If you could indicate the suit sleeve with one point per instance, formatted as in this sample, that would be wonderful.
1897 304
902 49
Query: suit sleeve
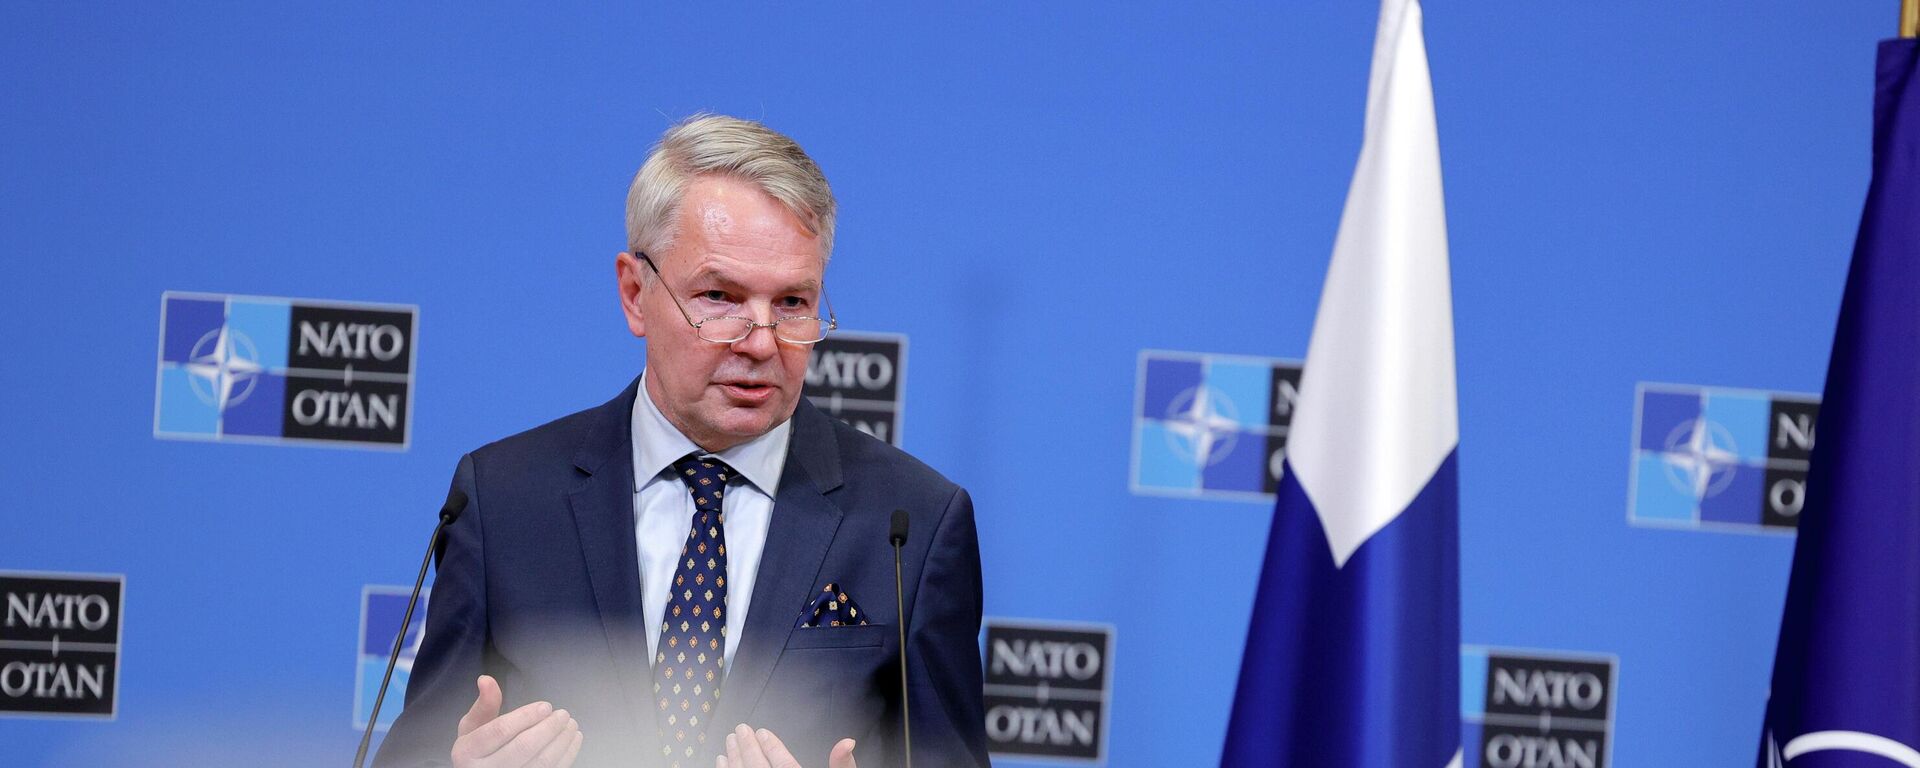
949 718
440 688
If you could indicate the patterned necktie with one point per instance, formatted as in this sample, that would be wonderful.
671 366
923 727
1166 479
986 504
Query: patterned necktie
688 665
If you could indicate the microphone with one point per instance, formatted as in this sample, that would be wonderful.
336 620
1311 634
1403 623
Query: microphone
897 536
449 512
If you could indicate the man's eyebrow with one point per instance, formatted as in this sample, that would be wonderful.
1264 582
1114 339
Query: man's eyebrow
713 275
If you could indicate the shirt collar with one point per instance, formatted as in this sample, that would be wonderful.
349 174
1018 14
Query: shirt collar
657 444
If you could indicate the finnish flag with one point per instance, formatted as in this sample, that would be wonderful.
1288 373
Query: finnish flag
1352 657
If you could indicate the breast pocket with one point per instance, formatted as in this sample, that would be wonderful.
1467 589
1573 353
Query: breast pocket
834 682
862 636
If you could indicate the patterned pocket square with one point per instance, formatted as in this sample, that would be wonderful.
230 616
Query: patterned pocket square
832 608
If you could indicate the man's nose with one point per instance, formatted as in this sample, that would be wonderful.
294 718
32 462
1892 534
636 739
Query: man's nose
760 342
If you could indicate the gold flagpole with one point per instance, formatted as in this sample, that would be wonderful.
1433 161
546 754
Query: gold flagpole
1910 18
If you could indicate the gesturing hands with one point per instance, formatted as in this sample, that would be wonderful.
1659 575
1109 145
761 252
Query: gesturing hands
539 736
747 748
533 735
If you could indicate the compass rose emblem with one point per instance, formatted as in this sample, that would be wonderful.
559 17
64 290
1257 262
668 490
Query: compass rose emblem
1202 425
223 366
1701 457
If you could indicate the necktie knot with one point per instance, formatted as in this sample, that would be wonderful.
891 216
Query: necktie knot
705 477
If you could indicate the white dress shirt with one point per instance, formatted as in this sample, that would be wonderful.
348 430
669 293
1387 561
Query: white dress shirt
663 512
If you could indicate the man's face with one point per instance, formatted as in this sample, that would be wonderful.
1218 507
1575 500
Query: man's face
738 252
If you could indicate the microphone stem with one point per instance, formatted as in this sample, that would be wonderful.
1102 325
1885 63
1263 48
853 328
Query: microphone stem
900 613
373 720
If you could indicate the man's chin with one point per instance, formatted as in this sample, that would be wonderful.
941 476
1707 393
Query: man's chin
746 422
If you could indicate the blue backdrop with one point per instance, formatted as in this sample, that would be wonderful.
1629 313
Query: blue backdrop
1637 192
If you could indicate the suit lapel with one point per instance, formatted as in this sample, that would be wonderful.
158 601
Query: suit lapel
602 506
803 526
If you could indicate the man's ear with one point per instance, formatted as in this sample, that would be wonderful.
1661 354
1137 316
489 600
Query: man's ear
631 274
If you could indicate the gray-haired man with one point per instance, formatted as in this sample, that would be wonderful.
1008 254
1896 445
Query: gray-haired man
698 571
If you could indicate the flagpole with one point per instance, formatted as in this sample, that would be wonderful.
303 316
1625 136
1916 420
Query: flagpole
1910 18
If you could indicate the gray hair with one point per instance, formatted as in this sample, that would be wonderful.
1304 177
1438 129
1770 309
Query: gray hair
727 146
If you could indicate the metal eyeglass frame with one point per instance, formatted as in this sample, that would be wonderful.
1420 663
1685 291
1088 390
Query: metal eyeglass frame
832 322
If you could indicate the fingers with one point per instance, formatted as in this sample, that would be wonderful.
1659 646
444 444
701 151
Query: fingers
486 706
776 752
496 734
573 752
737 753
558 749
525 748
744 750
842 755
748 748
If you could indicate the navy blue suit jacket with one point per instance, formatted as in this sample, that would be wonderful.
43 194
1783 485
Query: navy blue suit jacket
538 584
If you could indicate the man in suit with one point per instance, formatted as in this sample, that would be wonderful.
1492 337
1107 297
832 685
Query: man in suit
698 572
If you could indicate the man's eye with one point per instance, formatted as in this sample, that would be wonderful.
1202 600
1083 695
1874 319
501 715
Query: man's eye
793 302
715 296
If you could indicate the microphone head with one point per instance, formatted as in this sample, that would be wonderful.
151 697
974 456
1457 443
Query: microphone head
456 503
898 532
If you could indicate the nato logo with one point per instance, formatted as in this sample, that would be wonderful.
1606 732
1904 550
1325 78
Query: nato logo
1047 689
60 644
1211 425
262 369
1535 709
381 608
859 378
1727 459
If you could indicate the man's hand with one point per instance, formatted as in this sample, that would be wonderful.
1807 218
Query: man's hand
747 748
533 735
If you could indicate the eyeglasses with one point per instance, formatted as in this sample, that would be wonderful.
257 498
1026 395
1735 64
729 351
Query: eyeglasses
727 329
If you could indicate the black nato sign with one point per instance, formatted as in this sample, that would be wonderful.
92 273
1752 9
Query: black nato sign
1047 688
859 378
59 644
1538 709
349 371
266 369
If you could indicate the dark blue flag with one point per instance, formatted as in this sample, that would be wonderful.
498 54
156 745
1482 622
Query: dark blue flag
1846 675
